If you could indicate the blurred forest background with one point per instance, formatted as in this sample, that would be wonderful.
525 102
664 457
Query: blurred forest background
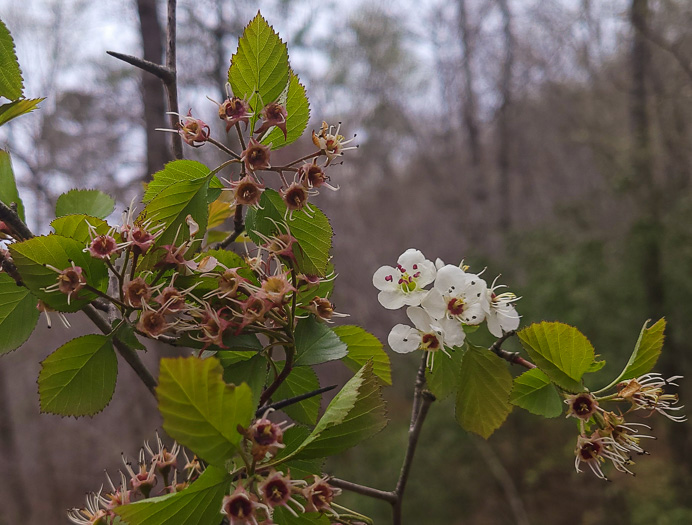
549 140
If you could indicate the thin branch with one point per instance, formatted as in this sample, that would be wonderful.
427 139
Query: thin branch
418 390
512 357
293 400
223 148
172 84
15 223
157 70
124 350
391 497
238 228
9 268
288 366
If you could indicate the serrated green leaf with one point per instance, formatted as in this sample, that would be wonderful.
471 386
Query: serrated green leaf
199 504
444 377
323 289
645 354
78 379
31 255
363 347
299 468
560 350
595 366
18 108
356 413
77 227
534 392
8 184
316 343
199 410
298 116
88 202
483 393
172 173
125 332
313 233
251 371
259 69
299 381
18 314
11 82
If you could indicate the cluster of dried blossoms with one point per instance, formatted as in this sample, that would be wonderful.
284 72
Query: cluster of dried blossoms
255 157
606 436
457 298
254 495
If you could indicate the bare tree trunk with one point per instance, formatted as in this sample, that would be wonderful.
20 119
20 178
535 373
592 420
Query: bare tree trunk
152 90
504 132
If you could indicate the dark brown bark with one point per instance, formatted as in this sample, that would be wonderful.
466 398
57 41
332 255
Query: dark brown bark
152 90
504 132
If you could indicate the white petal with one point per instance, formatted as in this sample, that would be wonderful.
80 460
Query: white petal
404 339
414 298
419 318
426 271
434 304
439 263
454 334
494 325
391 300
451 280
476 288
473 314
409 258
386 278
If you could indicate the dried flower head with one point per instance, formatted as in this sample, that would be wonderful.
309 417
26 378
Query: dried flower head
70 281
332 144
320 495
648 393
136 292
235 110
273 114
193 130
247 191
256 156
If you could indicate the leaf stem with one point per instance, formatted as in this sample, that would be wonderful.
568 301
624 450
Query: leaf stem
512 357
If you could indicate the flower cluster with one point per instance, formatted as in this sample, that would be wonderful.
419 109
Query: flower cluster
614 439
439 314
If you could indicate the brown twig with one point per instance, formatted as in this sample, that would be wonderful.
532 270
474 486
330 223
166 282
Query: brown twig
512 357
391 497
238 228
157 70
288 366
11 218
293 400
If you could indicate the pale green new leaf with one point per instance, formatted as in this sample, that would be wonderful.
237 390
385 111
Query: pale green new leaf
316 343
534 392
172 173
77 227
560 350
483 394
356 413
11 82
298 116
301 380
313 232
78 379
199 504
443 379
18 108
32 255
18 314
259 69
88 202
200 411
8 184
251 371
363 347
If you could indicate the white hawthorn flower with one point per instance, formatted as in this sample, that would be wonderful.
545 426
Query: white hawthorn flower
429 334
501 315
404 284
457 295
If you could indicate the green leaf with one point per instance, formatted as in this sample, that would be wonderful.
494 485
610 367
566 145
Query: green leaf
77 227
356 413
11 83
18 314
172 173
31 255
78 379
251 371
443 380
125 332
299 468
316 343
199 504
313 233
596 366
299 381
324 289
298 115
483 394
363 347
560 350
89 202
534 392
259 69
199 410
8 184
18 108
284 517
645 354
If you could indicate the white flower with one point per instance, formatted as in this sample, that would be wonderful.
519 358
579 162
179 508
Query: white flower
457 295
429 334
501 315
404 284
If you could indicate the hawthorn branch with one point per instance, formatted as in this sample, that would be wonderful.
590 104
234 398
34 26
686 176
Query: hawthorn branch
390 497
293 400
238 228
512 357
12 219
